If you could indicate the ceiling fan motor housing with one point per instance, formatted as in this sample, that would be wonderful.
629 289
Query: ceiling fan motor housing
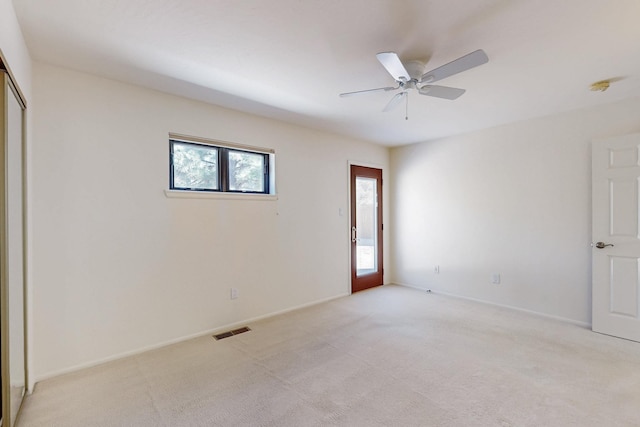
415 69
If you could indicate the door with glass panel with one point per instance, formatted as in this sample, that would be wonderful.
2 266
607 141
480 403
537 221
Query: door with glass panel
366 228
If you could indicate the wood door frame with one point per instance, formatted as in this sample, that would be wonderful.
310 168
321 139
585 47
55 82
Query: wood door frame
351 271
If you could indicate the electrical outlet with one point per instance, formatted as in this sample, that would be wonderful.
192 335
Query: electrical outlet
436 269
495 278
234 293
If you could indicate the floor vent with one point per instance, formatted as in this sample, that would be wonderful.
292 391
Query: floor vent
231 333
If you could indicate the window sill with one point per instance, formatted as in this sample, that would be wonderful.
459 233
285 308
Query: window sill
184 194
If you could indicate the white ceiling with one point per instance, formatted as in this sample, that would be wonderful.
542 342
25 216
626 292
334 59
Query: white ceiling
289 59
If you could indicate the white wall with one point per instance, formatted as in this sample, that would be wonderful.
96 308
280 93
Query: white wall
513 200
119 267
14 48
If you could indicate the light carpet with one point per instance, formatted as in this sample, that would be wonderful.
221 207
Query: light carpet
390 356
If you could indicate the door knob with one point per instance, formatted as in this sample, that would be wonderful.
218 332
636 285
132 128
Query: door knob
602 245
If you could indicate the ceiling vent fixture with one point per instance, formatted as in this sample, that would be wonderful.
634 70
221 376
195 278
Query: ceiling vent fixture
600 86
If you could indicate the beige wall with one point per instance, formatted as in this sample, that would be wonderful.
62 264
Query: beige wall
513 200
119 267
14 48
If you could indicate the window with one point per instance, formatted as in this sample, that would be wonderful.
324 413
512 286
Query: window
199 165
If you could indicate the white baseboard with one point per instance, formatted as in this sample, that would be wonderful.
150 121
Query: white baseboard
511 307
144 349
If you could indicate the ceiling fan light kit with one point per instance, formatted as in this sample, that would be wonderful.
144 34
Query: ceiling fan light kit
411 76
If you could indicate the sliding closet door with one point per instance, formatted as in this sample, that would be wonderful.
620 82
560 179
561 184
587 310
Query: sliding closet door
12 267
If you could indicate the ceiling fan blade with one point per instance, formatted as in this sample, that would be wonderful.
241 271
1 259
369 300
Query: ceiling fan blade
441 91
394 66
459 65
394 101
358 92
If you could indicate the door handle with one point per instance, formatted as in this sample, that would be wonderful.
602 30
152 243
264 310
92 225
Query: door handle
602 245
354 238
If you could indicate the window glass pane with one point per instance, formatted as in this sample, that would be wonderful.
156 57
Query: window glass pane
246 171
366 220
195 166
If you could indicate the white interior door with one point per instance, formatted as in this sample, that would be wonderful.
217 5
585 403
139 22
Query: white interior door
616 238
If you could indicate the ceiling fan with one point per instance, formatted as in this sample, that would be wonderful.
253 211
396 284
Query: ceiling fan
411 76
